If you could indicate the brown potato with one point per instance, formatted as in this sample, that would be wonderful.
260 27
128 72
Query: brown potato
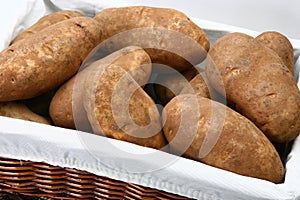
46 21
255 79
119 108
21 111
170 85
39 64
281 45
197 86
220 137
168 36
133 59
60 109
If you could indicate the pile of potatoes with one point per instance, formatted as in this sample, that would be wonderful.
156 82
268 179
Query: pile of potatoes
229 114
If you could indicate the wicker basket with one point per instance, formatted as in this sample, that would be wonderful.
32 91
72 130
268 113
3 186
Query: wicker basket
41 179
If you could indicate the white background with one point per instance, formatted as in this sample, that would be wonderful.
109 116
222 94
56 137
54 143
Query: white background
258 15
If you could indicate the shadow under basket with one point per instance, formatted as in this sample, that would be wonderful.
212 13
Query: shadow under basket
40 179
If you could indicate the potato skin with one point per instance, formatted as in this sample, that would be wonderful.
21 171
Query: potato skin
118 20
240 146
105 95
100 107
61 109
258 83
279 44
46 21
38 64
21 111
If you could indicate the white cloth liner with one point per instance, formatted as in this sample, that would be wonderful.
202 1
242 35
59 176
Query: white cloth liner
69 148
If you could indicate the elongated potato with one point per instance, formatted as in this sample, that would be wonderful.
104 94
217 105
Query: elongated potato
21 111
168 36
119 108
46 21
258 83
132 59
38 64
281 45
221 138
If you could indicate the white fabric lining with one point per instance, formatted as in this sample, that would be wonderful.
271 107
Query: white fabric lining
60 147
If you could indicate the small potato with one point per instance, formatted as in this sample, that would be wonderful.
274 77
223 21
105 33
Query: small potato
60 109
170 85
68 99
220 137
119 108
39 64
20 111
257 82
281 45
46 21
197 86
168 36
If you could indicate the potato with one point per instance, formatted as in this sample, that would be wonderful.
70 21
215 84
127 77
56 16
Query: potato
119 108
168 36
281 45
220 137
21 111
46 21
39 64
169 85
60 109
133 59
197 86
256 80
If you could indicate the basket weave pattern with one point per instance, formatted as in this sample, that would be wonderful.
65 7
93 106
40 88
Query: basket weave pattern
42 179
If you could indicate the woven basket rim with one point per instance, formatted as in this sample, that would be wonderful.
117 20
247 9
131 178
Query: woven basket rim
41 179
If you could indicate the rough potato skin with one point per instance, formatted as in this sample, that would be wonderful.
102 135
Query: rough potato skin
281 45
118 20
132 59
105 96
240 146
46 21
38 64
21 111
258 83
